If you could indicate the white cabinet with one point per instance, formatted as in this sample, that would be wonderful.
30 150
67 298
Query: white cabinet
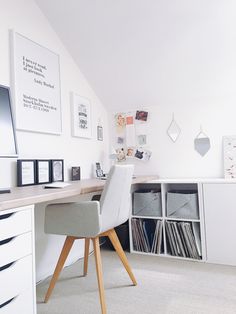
220 226
17 270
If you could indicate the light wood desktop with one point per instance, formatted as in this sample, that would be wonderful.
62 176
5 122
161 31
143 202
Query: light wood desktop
22 196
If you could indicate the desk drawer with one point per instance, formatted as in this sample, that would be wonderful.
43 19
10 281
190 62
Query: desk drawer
15 223
22 303
15 248
15 279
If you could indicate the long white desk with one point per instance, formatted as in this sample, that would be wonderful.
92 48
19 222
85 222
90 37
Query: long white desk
17 239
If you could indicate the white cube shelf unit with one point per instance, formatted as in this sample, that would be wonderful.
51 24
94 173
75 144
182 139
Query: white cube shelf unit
167 220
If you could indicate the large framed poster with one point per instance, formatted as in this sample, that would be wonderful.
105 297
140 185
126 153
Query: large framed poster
36 86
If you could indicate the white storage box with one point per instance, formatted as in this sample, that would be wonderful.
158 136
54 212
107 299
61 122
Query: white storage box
182 204
147 203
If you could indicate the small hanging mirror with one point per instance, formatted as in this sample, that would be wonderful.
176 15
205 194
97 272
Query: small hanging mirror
202 143
173 130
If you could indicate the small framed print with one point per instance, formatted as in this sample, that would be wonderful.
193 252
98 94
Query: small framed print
26 172
99 133
81 116
57 170
43 171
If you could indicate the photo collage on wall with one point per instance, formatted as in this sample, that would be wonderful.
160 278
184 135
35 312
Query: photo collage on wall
131 135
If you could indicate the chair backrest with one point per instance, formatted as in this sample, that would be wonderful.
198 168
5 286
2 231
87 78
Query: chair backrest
115 200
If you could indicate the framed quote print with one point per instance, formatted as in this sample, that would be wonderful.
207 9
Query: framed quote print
43 171
57 170
81 116
26 172
36 85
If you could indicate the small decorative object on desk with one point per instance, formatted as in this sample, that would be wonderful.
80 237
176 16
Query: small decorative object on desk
75 173
26 172
43 171
57 170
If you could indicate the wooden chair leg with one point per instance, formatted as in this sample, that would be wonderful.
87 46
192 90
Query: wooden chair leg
61 261
119 250
86 255
98 262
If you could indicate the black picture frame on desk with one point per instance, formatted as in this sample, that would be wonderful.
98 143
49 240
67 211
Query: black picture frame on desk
57 170
75 173
26 172
43 171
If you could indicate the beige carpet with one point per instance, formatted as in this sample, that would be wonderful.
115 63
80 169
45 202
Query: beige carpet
164 286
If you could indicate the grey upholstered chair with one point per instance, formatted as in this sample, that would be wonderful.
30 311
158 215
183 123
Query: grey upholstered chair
91 220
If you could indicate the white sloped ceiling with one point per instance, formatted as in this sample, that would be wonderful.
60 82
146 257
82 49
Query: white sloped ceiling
149 52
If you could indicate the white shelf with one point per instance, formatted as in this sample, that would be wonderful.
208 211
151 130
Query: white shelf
147 217
147 253
181 219
168 256
184 258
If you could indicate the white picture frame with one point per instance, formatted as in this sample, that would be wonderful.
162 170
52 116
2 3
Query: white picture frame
36 86
81 116
229 151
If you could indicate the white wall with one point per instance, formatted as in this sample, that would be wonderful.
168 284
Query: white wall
25 17
191 71
179 159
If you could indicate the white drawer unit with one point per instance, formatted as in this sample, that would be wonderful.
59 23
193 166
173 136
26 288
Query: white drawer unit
17 278
19 304
15 248
17 269
15 223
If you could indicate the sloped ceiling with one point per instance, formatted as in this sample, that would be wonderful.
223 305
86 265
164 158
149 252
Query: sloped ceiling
145 52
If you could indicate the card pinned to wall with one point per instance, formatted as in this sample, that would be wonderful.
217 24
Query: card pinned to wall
121 155
120 140
130 152
141 129
141 115
143 154
130 135
142 139
129 120
120 121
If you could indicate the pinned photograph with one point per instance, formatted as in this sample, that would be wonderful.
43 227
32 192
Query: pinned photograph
141 115
130 152
142 139
143 154
120 140
129 120
146 155
120 122
120 154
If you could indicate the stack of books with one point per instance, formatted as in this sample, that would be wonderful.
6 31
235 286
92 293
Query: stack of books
183 239
147 235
